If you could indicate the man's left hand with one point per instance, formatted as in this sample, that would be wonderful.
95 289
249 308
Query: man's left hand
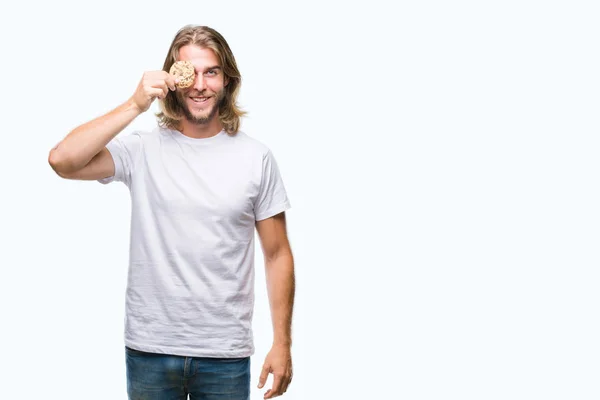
279 363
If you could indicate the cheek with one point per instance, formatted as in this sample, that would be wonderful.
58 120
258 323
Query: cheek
215 85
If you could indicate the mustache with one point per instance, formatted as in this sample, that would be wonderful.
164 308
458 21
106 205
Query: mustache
200 94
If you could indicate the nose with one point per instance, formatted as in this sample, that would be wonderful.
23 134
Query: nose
200 82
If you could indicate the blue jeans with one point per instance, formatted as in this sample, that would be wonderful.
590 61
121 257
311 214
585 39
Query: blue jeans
152 376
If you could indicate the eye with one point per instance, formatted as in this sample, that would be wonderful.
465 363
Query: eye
211 72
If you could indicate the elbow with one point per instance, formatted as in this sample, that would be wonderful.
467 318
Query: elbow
282 255
60 164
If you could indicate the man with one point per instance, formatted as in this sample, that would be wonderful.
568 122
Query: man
198 186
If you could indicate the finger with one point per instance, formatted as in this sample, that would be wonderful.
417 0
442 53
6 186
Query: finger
172 80
167 79
160 83
156 93
285 384
275 389
165 89
263 376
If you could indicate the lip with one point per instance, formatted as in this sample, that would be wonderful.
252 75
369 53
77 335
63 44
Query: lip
200 104
207 98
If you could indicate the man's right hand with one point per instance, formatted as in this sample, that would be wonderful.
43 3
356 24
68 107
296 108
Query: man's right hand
154 84
82 154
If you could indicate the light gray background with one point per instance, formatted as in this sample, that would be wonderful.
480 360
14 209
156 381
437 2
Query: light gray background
441 159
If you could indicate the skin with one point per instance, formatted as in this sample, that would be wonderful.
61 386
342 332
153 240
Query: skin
279 264
201 120
82 155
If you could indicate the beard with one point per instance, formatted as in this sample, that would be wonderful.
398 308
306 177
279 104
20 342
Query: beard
206 115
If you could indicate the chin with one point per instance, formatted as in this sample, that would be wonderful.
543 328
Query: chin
200 112
203 113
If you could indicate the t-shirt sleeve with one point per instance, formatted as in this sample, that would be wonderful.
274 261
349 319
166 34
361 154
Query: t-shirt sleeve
272 197
124 151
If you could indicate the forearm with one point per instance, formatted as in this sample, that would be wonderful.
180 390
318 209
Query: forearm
77 149
281 290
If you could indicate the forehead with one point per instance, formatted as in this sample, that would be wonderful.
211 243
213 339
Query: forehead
200 57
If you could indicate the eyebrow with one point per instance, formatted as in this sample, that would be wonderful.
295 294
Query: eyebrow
211 68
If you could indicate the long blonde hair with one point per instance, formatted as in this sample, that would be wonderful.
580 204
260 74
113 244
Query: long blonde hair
229 111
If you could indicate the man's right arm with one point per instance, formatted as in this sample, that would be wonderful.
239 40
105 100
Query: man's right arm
82 154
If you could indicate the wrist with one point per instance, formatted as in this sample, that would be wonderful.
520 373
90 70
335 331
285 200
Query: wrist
282 343
131 106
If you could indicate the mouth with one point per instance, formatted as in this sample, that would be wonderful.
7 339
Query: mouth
199 99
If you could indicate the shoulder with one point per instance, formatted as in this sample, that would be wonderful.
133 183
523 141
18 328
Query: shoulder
139 136
250 144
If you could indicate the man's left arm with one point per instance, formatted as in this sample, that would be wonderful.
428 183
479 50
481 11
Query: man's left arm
279 271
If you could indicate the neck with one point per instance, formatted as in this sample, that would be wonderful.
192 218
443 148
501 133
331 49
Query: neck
201 131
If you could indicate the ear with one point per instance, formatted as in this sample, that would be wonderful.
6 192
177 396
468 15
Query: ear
226 82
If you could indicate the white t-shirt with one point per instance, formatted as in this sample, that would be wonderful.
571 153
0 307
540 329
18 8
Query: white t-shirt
194 203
